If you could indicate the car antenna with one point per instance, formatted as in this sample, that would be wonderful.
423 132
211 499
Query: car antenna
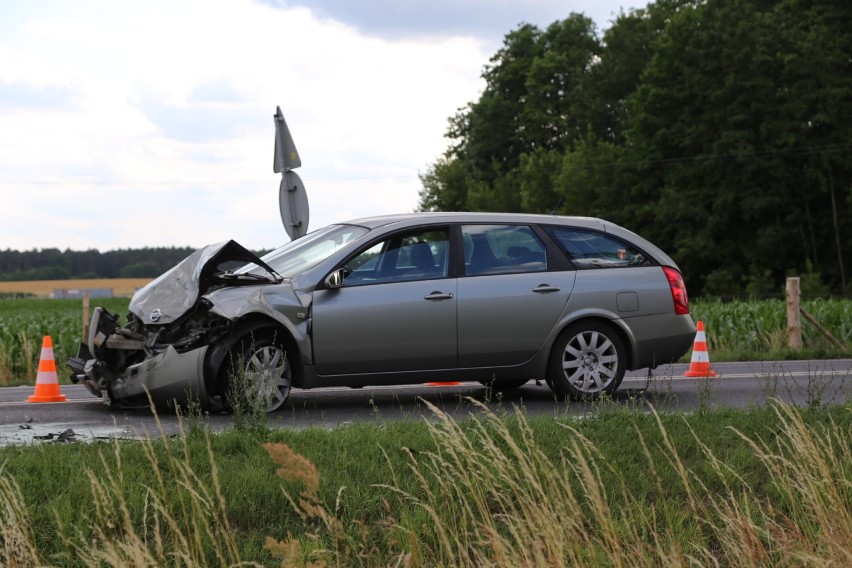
555 209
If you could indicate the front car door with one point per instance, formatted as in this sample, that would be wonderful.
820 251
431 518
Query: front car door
395 312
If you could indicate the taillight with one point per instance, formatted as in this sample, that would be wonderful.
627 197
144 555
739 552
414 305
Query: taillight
681 300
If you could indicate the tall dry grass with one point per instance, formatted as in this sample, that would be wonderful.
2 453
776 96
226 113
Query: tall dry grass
492 497
16 533
184 521
488 495
185 525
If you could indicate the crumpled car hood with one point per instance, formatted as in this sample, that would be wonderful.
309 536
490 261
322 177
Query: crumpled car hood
174 293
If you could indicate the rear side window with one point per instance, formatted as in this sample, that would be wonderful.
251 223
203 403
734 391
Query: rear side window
502 249
591 249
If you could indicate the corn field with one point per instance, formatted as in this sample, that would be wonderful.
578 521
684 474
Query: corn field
756 326
25 322
761 325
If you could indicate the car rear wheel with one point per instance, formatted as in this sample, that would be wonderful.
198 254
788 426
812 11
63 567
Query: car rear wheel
258 373
588 360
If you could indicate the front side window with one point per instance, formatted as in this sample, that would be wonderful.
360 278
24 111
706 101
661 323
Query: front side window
502 249
590 249
421 255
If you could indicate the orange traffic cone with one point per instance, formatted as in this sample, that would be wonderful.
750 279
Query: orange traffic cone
47 383
700 364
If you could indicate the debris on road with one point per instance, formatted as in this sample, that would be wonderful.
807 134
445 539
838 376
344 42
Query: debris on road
64 437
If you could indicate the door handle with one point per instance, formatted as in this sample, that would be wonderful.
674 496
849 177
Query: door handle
545 288
438 296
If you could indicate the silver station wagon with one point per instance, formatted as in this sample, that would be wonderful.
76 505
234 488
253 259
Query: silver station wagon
398 299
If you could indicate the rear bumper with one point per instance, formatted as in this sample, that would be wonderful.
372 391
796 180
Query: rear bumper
665 338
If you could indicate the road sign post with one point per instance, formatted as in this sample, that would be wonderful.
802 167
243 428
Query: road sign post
292 197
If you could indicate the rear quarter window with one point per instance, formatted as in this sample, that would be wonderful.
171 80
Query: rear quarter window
591 249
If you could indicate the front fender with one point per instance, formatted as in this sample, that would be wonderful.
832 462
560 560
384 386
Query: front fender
277 303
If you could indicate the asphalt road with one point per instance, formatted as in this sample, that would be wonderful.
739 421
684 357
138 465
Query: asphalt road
737 385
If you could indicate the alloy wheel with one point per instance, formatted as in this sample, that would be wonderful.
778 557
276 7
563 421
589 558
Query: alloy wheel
590 362
268 376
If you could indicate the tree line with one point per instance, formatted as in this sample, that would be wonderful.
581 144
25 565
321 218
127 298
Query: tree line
721 131
53 264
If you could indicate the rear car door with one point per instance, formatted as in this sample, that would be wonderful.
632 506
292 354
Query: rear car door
511 295
395 312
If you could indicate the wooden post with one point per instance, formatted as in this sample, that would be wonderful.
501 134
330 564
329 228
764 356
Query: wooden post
794 320
85 317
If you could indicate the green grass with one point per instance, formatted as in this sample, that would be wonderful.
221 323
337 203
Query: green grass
766 486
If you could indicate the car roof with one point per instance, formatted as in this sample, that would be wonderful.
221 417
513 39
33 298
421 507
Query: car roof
403 220
469 217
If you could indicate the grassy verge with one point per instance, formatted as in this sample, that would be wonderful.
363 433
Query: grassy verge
767 486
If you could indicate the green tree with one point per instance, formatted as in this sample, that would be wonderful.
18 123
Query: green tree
535 100
588 182
489 133
446 184
628 46
538 181
818 104
556 109
718 130
140 270
722 126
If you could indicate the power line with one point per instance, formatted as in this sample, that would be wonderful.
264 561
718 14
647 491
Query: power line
697 158
202 182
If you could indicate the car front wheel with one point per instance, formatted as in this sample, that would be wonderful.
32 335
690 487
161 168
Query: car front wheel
258 373
588 360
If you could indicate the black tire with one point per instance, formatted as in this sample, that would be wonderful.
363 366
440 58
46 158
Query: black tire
588 359
257 372
504 385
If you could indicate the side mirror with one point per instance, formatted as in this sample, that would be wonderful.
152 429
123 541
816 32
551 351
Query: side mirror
335 279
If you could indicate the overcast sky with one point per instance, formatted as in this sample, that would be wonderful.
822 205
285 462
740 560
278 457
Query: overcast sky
131 124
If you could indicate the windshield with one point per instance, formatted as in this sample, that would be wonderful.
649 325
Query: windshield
303 254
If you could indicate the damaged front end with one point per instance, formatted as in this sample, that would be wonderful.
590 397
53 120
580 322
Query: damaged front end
126 364
160 351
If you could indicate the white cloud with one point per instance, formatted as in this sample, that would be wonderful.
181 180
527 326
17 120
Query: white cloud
149 123
167 114
488 20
